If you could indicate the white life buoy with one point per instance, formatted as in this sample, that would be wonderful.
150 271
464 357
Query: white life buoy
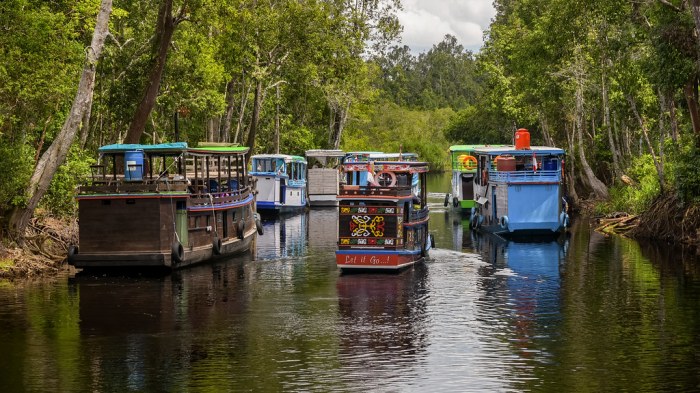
386 179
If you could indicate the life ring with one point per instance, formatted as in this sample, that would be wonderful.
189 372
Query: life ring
258 226
216 245
468 162
383 176
178 252
240 228
503 222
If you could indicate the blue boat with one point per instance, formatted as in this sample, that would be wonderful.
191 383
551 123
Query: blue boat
519 190
281 183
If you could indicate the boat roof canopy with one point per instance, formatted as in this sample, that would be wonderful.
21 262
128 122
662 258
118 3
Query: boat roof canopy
324 153
173 147
494 151
469 148
285 157
218 149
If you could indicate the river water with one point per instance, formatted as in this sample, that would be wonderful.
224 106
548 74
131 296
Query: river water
585 313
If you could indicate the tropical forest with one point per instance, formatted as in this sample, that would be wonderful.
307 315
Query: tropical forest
613 82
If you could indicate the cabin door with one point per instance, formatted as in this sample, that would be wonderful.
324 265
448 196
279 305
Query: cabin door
493 203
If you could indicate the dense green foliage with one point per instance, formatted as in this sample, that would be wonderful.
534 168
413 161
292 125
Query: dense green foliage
613 82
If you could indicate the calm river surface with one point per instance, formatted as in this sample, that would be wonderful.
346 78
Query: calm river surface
587 313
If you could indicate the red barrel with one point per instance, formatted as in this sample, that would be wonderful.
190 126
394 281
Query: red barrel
522 139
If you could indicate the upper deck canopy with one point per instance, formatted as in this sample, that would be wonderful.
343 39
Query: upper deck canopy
469 148
537 150
218 149
166 148
324 153
286 157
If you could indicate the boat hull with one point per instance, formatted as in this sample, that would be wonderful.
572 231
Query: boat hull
125 231
376 259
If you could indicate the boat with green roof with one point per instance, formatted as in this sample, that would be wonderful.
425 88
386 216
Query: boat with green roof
463 165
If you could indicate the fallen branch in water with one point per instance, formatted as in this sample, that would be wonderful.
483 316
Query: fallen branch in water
617 223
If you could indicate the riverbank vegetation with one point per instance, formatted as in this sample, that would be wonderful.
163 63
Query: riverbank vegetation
613 82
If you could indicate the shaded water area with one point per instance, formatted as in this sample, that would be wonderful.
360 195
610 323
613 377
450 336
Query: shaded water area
582 313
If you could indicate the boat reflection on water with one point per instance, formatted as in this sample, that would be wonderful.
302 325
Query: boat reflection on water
322 224
142 331
383 318
524 281
283 237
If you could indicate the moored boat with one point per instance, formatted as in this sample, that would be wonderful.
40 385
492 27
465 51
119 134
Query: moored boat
323 176
519 189
165 205
383 215
463 165
281 183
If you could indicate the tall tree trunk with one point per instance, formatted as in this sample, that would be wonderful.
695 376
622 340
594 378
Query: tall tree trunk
85 127
277 120
339 117
545 130
56 154
690 92
617 171
257 103
643 126
599 189
245 90
164 34
228 117
570 167
672 116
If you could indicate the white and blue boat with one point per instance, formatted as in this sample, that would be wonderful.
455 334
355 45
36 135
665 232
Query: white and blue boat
519 190
281 182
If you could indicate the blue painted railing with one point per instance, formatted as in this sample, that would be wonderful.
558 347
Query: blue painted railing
525 176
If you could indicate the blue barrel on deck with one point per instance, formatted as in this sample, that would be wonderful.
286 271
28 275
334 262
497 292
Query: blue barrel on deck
133 165
549 165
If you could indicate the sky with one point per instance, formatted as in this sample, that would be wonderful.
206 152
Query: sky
426 22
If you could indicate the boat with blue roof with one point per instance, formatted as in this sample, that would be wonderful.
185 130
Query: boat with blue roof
165 205
520 189
280 182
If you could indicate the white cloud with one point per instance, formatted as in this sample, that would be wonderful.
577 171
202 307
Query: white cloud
426 22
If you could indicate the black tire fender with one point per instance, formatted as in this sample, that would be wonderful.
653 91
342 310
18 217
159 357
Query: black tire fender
178 252
216 245
240 228
259 227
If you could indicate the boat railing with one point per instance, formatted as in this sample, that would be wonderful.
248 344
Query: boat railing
119 185
358 191
220 198
527 176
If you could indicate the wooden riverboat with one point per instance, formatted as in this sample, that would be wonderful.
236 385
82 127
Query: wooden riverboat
383 215
165 205
323 176
281 183
463 164
520 189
